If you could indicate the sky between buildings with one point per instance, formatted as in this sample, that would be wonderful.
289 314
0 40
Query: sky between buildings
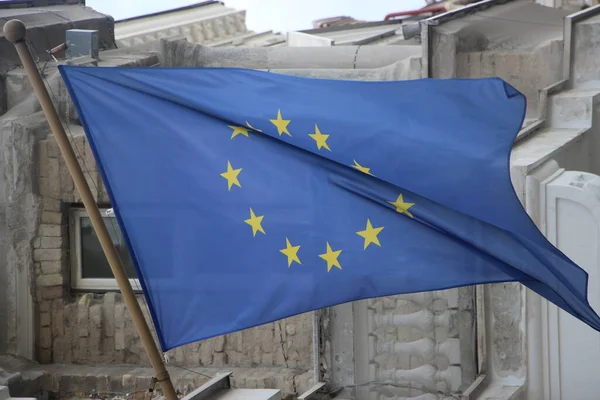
263 15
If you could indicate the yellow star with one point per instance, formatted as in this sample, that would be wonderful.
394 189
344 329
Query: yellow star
255 222
362 169
232 176
370 234
291 252
320 138
238 130
281 124
251 127
331 257
401 206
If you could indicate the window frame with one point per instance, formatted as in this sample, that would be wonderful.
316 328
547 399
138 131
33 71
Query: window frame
76 265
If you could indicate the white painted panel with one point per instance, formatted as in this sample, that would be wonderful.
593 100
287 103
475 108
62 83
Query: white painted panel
570 218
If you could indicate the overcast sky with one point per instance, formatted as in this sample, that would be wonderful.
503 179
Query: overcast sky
262 15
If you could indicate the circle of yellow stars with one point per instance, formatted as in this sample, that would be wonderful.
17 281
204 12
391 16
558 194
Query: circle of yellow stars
370 234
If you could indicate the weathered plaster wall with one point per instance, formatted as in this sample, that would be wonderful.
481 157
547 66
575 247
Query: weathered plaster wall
86 328
40 313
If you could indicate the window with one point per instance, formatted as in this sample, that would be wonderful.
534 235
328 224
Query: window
90 269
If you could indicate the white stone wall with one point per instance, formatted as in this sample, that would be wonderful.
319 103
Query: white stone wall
92 328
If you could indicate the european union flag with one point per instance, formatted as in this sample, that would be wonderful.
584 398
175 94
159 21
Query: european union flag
246 196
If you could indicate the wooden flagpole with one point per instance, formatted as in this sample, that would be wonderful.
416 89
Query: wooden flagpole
15 31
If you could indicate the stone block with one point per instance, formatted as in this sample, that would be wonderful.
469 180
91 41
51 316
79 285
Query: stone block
51 205
279 356
102 384
37 243
45 319
47 254
279 333
219 359
95 345
286 384
42 152
45 356
256 355
48 242
52 147
235 358
88 156
45 338
58 323
128 381
96 317
206 352
131 336
51 292
103 194
44 186
290 329
86 299
116 383
61 349
303 382
219 343
70 315
51 230
82 320
108 314
119 327
267 359
83 349
66 181
50 280
178 355
52 217
267 339
234 341
192 358
44 306
51 267
54 178
293 356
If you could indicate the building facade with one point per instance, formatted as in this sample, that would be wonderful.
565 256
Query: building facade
494 341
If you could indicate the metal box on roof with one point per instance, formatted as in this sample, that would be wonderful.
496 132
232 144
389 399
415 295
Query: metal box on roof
82 43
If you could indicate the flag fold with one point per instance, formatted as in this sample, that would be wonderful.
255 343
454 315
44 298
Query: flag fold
246 196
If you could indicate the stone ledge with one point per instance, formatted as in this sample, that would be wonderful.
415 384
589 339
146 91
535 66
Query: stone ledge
21 376
71 381
502 392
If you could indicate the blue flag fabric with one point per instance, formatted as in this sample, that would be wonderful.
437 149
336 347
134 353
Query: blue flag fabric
246 196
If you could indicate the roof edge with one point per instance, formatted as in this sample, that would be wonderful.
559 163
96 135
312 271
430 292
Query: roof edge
191 6
352 26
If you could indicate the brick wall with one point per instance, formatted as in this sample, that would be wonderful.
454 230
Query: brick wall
91 328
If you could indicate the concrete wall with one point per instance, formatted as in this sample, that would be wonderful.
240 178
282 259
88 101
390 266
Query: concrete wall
586 60
520 42
92 328
527 71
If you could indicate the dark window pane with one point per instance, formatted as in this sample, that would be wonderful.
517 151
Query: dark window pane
93 261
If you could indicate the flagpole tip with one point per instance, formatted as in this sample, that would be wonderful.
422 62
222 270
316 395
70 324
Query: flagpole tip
15 30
